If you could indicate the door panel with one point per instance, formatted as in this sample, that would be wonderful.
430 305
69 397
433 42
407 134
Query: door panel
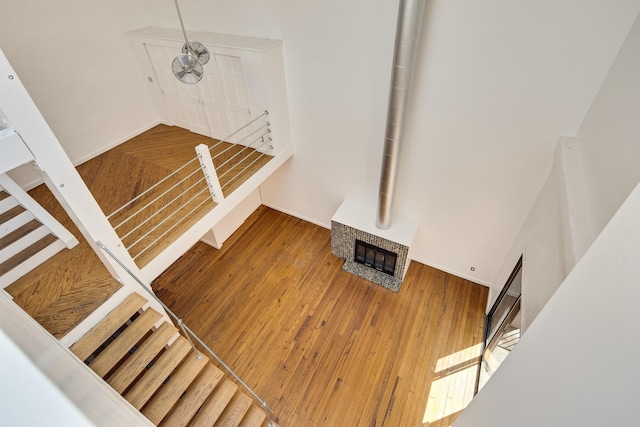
214 102
233 81
187 113
236 96
182 100
218 121
215 106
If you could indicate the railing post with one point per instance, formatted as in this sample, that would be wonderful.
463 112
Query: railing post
206 163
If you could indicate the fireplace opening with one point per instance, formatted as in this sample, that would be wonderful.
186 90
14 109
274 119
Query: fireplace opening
375 257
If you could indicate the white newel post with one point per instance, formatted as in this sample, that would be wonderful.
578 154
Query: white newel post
206 163
63 180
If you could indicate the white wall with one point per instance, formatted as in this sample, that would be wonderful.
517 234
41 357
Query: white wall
577 363
610 134
497 83
78 66
43 384
24 387
592 175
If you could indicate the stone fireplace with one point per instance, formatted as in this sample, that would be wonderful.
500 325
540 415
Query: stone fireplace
353 227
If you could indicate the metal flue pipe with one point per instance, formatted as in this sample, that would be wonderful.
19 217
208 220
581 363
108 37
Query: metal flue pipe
410 16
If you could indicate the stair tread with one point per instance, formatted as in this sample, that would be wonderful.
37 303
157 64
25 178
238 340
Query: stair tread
11 213
215 404
107 326
235 411
27 253
254 417
196 393
19 233
3 195
116 350
126 373
158 373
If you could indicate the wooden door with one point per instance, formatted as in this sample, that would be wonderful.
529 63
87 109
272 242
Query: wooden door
184 102
215 106
213 101
236 95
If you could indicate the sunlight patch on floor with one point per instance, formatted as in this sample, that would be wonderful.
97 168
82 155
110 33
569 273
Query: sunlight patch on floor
453 384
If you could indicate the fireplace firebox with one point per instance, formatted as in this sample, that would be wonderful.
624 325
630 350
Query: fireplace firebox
375 257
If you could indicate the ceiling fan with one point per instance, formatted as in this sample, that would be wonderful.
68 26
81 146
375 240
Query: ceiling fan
187 66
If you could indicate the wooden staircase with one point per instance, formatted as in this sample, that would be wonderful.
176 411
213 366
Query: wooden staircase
26 235
156 370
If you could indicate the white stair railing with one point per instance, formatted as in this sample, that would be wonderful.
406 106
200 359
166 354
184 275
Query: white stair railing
25 246
160 209
37 211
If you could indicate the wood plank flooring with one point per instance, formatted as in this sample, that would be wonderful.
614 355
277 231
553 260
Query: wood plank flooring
62 292
185 193
321 346
324 347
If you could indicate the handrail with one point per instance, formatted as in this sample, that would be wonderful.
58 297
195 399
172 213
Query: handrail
157 198
153 218
244 169
157 239
246 125
265 126
225 139
189 333
259 138
151 188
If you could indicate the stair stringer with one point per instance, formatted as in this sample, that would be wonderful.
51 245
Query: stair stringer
18 252
42 356
38 211
61 177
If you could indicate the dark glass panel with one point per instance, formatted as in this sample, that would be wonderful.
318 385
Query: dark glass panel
379 265
360 250
390 263
370 256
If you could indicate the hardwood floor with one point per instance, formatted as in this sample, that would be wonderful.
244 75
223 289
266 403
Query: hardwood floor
321 346
167 149
324 347
60 293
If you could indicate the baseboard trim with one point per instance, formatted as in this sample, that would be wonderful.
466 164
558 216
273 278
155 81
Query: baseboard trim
319 224
115 143
432 265
453 272
101 150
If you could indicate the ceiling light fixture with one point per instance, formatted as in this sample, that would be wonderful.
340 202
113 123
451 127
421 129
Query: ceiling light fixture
187 67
